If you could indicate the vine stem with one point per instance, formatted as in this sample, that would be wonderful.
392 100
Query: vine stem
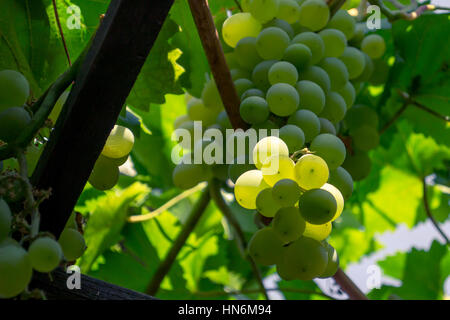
238 5
228 214
346 284
189 226
426 204
393 15
58 22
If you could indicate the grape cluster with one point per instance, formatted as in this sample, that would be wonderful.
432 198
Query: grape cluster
297 70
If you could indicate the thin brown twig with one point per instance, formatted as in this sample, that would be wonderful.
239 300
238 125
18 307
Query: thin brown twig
346 284
238 5
393 15
430 111
58 22
429 214
395 117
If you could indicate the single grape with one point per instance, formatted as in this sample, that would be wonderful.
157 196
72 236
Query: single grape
334 41
286 192
268 147
12 123
288 224
311 172
348 93
314 14
186 176
326 126
239 73
223 120
260 75
365 137
15 270
311 95
314 42
117 162
271 43
374 46
264 10
335 107
266 204
283 99
242 85
276 168
283 72
119 143
333 262
369 67
252 93
104 175
299 55
288 10
45 254
246 53
58 106
72 244
211 96
265 247
317 75
284 269
282 24
293 136
344 22
306 258
354 61
337 196
14 89
342 180
330 148
317 232
254 110
358 165
361 114
307 121
336 70
5 220
317 206
358 36
238 26
247 187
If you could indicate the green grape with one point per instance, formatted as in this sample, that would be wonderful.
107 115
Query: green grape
279 23
366 74
374 46
271 43
326 126
268 147
238 73
317 75
197 111
330 148
260 75
252 93
286 192
9 242
232 63
45 254
223 120
5 220
242 85
354 61
365 138
14 89
104 175
240 165
333 262
336 70
58 106
266 204
246 53
284 269
382 72
348 93
238 26
277 168
12 123
186 176
15 270
314 42
344 22
288 10
72 244
119 143
211 96
311 172
268 124
337 196
334 41
283 72
247 187
317 232
358 36
361 114
342 180
265 247
311 95
288 224
298 54
358 165
314 14
180 120
306 259
293 136
317 206
264 10
307 121
283 99
117 162
335 107
254 110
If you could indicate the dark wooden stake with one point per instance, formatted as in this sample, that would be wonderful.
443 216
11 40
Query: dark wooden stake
120 48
